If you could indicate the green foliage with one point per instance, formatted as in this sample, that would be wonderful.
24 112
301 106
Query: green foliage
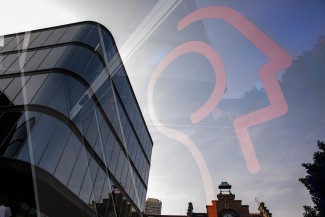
315 182
311 212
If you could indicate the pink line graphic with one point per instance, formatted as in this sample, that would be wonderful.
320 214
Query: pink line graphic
207 51
278 61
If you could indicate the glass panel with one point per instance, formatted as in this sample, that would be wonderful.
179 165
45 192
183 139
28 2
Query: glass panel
99 183
114 157
125 172
32 37
13 43
93 37
83 32
58 99
7 41
69 34
109 145
76 94
18 135
45 125
20 44
92 70
8 61
15 67
92 132
4 83
86 188
93 169
119 166
67 160
32 86
52 58
106 189
46 91
13 88
78 64
79 171
55 36
55 148
42 37
37 59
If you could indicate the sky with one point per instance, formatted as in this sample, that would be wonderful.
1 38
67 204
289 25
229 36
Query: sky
192 82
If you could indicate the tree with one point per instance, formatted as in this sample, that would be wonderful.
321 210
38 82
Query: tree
315 182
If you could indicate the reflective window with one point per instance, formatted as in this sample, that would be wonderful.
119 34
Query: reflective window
8 61
69 34
125 172
93 37
36 60
109 145
79 170
32 37
13 43
99 184
13 88
52 58
67 160
4 83
32 86
58 99
114 157
45 125
19 135
84 32
86 189
92 131
7 41
106 189
55 36
20 63
55 148
42 37
119 166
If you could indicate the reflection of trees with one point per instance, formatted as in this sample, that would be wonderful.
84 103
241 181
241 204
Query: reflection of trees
303 81
302 84
252 100
314 182
116 205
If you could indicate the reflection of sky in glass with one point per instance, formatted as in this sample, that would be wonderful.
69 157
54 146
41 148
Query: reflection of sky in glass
281 144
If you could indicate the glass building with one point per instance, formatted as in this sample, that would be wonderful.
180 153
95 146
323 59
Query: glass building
73 141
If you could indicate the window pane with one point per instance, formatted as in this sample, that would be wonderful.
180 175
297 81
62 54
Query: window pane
99 183
13 43
114 157
8 61
37 59
55 148
79 171
31 87
7 41
68 159
45 125
52 58
42 37
55 36
13 88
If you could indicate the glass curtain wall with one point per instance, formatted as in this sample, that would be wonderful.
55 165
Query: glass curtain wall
80 118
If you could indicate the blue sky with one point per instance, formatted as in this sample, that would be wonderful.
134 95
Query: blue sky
281 144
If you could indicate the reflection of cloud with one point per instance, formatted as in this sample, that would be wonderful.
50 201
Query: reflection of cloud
279 60
201 113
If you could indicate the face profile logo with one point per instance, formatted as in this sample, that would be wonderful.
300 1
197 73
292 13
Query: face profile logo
279 60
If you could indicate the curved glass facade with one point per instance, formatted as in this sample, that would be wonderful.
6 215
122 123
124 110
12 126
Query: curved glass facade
73 113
